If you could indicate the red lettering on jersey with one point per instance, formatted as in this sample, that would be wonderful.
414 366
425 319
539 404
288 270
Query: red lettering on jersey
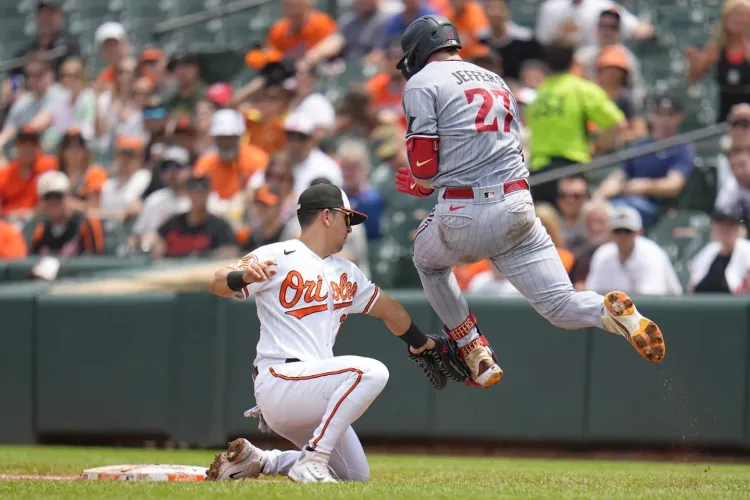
311 292
488 105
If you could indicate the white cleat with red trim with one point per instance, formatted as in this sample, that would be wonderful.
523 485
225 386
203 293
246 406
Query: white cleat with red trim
311 467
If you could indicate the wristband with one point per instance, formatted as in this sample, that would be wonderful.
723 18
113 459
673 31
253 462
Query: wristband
235 281
414 337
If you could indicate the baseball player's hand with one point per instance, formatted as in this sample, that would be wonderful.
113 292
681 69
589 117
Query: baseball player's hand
259 271
405 183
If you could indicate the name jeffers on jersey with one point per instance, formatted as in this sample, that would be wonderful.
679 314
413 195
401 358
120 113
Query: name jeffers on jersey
465 76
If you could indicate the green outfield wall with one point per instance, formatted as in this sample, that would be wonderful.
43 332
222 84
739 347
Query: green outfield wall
179 366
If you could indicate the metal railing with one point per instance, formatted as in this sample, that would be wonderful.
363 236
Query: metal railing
186 21
710 132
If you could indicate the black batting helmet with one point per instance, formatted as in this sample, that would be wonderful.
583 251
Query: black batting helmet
422 38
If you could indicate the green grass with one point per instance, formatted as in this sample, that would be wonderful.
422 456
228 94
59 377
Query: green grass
393 477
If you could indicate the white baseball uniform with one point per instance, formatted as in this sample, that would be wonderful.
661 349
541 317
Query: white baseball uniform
491 214
305 394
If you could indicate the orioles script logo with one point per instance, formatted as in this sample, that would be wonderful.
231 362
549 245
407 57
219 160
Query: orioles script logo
296 291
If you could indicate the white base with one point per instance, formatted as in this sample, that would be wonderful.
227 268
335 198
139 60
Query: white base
148 472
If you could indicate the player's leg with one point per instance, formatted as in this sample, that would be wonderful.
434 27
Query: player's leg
443 240
324 398
529 260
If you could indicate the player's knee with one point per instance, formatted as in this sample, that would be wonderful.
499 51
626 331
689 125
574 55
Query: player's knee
376 374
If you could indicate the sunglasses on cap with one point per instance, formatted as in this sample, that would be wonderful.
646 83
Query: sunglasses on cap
622 230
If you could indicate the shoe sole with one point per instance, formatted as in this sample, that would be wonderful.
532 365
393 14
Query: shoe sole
490 377
646 337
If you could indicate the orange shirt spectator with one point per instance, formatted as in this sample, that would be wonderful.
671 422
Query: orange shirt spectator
230 177
384 91
107 76
471 22
268 135
293 42
464 273
12 244
18 179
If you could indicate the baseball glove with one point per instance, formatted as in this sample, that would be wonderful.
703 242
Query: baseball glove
441 363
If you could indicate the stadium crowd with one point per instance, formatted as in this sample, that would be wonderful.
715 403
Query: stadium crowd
186 168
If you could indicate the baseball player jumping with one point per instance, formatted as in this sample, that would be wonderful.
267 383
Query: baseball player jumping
463 140
303 294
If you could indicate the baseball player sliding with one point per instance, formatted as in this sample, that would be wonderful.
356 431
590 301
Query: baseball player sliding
463 140
303 294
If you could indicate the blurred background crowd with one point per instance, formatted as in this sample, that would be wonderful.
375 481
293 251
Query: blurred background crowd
187 129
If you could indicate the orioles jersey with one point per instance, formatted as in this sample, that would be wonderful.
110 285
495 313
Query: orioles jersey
303 306
475 117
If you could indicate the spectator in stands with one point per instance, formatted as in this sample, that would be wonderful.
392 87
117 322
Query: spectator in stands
551 221
268 226
264 117
645 181
631 263
596 216
86 179
308 101
727 50
143 93
155 121
232 165
734 195
385 88
739 138
413 9
558 117
118 112
50 36
183 135
196 232
608 34
533 73
170 200
357 116
309 161
721 266
153 65
572 193
112 41
202 116
514 43
18 180
576 21
122 193
354 159
358 34
63 231
613 73
300 29
36 107
280 176
473 27
79 109
191 88
220 95
12 244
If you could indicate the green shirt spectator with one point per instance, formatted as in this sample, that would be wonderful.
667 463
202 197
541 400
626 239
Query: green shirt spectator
559 117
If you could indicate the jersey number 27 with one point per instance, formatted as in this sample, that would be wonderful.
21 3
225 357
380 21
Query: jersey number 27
492 101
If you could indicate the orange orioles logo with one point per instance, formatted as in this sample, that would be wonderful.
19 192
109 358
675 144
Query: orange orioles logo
296 291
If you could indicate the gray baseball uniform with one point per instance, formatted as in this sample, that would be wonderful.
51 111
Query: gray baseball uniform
475 116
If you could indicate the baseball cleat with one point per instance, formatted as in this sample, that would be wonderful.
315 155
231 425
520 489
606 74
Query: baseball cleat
311 467
482 362
242 460
623 318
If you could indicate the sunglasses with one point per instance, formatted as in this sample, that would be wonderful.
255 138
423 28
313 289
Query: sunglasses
623 231
740 123
347 216
575 196
55 196
296 136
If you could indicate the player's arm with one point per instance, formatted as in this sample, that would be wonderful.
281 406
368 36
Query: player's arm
399 322
422 141
244 278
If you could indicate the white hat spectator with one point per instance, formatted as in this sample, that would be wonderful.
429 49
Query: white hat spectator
110 31
227 122
176 154
300 123
626 218
53 181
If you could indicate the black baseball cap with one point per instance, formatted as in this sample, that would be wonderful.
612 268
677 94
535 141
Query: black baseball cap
54 4
322 196
735 215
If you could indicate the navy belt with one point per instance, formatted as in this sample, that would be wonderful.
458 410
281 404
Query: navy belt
288 360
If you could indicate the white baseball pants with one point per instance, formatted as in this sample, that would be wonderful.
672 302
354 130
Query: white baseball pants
504 228
314 404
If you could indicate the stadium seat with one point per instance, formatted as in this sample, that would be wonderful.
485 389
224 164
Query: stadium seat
682 233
